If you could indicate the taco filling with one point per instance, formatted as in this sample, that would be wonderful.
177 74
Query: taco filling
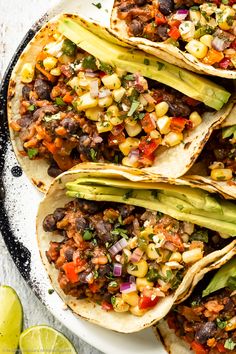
217 159
75 108
205 29
123 257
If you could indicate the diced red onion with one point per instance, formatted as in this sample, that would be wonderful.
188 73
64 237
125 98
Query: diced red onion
118 246
180 14
89 70
127 287
125 107
133 156
136 255
132 279
91 74
94 88
104 93
117 270
170 246
149 98
97 139
219 44
89 277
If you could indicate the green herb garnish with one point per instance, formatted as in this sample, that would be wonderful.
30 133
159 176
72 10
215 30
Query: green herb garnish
89 62
87 235
133 108
98 5
229 344
32 152
220 323
106 68
69 48
31 108
59 101
93 154
201 235
129 77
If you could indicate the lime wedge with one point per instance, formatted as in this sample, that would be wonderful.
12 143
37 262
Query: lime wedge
44 340
11 316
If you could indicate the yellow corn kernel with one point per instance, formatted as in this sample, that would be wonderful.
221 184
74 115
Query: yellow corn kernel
146 232
104 126
207 40
133 130
130 121
111 81
113 111
194 16
121 72
174 265
126 161
223 18
221 174
74 83
118 94
105 101
135 310
161 109
142 283
151 251
131 298
119 305
192 256
55 72
49 63
208 9
173 138
150 108
64 59
197 49
94 113
195 118
175 256
27 73
154 134
116 120
216 165
187 30
231 324
163 124
128 145
86 101
138 269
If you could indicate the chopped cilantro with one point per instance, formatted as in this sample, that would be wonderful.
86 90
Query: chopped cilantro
95 274
229 344
113 300
146 61
120 232
129 77
59 101
153 275
128 194
69 48
201 235
138 116
194 8
93 154
98 5
113 284
87 235
169 275
160 65
89 62
106 68
195 303
31 108
50 291
32 153
133 108
220 323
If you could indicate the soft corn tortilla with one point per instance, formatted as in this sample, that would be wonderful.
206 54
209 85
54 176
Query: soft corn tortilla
120 322
166 51
164 166
172 343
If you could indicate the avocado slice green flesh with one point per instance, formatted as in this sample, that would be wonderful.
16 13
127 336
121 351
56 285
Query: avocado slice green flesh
134 61
146 199
222 277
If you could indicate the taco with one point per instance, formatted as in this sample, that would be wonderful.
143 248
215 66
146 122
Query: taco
120 253
215 166
95 101
205 322
197 35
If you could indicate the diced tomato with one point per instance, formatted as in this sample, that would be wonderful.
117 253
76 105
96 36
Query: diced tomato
221 348
68 98
148 300
174 33
101 74
178 124
224 63
106 306
79 262
94 287
160 18
148 124
50 146
117 129
174 23
114 140
175 239
233 45
148 146
70 270
198 348
213 56
146 160
192 102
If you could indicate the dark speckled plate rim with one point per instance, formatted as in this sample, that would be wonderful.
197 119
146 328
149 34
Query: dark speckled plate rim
19 253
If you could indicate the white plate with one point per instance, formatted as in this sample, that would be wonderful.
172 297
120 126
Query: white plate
21 202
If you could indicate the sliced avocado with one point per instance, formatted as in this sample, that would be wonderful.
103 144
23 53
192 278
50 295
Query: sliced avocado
135 61
222 278
146 199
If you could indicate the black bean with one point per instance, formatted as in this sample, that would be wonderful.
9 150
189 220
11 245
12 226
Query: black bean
42 89
104 230
124 7
54 171
49 223
206 331
59 214
178 108
104 270
83 147
81 224
69 254
162 31
125 210
70 124
166 6
25 120
87 206
136 27
140 2
25 92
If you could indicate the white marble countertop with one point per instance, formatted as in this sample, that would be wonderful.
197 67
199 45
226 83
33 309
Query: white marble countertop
16 16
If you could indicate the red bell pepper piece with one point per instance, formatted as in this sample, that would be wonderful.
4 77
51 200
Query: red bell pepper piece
94 287
106 306
174 33
147 299
148 146
198 348
148 124
174 23
221 348
178 124
114 140
224 63
159 18
71 274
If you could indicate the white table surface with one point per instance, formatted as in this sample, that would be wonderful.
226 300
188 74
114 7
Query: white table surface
16 16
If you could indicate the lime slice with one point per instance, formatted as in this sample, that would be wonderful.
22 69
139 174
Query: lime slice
44 340
11 316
